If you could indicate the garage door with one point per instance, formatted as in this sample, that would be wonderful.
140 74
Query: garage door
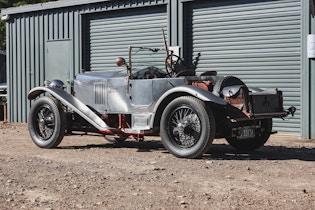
258 41
109 34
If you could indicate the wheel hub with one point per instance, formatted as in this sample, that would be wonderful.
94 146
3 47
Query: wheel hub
41 125
186 129
180 128
45 122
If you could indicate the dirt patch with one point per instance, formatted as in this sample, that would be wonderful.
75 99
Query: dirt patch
87 172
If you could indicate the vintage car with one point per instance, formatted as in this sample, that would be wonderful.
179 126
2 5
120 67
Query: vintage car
156 95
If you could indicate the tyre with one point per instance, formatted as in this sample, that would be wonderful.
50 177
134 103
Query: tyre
225 82
256 142
187 127
46 122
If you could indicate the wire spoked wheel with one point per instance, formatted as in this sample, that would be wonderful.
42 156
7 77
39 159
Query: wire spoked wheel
46 122
187 127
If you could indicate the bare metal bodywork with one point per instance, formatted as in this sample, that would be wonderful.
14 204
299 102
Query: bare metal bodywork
121 95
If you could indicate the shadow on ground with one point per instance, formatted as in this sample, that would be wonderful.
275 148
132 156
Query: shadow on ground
144 146
223 151
217 151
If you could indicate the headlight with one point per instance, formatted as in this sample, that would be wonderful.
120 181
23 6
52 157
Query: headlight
54 83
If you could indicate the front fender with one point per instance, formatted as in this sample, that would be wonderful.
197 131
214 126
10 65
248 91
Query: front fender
73 103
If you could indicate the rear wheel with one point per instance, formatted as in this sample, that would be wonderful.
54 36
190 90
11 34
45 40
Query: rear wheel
253 143
46 122
187 127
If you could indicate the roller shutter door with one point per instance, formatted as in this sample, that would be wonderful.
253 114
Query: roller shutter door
110 34
258 41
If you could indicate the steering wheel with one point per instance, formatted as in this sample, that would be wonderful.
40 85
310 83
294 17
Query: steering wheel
174 64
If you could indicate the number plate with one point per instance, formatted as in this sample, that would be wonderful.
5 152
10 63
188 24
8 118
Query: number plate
246 133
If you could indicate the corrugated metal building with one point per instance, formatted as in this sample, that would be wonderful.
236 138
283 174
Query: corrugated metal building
264 42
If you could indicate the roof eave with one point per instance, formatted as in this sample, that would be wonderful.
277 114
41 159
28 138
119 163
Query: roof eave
46 6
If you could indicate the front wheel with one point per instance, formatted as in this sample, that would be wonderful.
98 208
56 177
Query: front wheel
46 122
187 127
261 137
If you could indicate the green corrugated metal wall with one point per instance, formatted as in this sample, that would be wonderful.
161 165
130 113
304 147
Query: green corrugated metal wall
258 41
29 34
110 35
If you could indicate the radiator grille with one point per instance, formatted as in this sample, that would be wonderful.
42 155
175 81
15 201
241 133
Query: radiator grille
100 91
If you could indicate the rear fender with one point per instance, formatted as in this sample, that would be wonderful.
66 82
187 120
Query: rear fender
73 103
193 91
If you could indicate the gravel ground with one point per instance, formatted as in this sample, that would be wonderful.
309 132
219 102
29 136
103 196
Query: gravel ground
87 172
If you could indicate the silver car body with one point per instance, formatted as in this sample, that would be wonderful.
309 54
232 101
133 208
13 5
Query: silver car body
114 93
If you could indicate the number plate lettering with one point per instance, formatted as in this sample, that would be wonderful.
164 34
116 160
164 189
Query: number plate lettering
246 133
